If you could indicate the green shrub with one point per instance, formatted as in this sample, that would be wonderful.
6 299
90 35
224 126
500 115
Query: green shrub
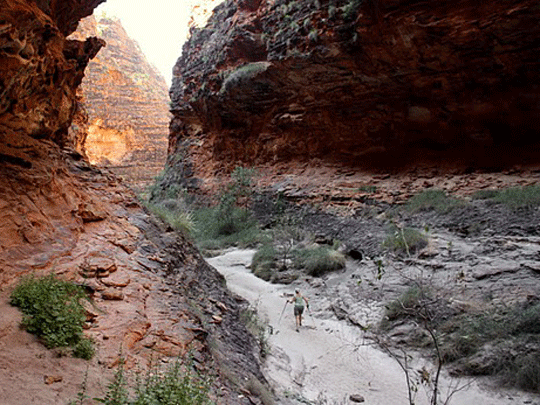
230 223
264 262
406 240
350 10
318 260
52 311
526 321
257 328
368 189
466 334
237 228
433 200
84 349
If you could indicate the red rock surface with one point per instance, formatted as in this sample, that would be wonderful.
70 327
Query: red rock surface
153 294
127 103
388 86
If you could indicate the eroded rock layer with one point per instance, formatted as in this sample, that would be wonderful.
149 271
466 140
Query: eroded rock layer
40 69
127 103
379 84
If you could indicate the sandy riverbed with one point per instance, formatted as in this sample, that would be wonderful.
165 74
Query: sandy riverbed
329 359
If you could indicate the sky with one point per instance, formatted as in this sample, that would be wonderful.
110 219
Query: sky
159 26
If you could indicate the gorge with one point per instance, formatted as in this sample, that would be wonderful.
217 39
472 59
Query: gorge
347 105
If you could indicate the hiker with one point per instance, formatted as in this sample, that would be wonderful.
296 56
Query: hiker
298 300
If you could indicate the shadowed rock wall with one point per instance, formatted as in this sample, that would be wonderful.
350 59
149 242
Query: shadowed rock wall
373 83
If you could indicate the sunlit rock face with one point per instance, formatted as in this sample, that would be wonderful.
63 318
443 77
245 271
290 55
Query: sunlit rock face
127 103
371 84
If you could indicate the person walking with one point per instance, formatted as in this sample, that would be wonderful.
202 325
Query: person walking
298 299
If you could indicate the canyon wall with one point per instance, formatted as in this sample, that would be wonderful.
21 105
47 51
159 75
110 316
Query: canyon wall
373 84
127 104
153 296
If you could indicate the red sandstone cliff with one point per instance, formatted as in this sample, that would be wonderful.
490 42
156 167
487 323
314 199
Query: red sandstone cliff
376 84
127 103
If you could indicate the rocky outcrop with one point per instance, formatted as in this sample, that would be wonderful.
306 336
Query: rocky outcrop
373 84
127 103
40 69
154 297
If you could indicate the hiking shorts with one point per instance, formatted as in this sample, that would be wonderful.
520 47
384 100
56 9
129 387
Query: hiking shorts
298 311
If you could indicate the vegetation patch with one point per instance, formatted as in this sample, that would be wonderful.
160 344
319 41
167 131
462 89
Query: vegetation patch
433 199
179 219
513 197
227 223
243 74
408 305
405 241
350 9
52 310
500 342
264 262
257 328
319 260
174 385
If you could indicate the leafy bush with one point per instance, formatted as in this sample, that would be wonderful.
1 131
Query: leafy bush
257 328
513 197
350 10
318 260
485 194
526 373
53 312
526 321
433 200
467 334
406 240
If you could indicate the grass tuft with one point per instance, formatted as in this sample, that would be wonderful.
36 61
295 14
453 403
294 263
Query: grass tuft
513 197
433 199
406 306
215 231
180 220
405 241
318 260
